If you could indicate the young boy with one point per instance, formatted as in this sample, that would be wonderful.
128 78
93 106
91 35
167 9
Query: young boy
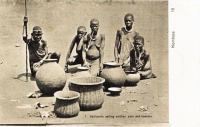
124 41
93 48
38 50
140 59
77 42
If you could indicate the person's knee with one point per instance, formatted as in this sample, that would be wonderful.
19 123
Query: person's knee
56 54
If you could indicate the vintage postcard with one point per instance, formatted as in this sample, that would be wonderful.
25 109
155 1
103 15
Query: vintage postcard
114 28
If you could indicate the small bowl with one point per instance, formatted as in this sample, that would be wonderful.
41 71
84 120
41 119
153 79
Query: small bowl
115 90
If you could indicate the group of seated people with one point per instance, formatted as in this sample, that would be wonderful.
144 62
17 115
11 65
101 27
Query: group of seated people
87 49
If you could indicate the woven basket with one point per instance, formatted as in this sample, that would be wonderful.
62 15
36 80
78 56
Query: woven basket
90 89
66 103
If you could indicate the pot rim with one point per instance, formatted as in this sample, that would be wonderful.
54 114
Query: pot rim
87 84
83 68
50 60
131 72
115 89
56 94
111 63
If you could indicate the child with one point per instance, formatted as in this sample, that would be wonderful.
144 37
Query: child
93 48
38 50
124 41
140 59
76 58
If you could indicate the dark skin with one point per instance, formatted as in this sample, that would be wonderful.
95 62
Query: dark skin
80 34
139 48
94 25
129 22
37 38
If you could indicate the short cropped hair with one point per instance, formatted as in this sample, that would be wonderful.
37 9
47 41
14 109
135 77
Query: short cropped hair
129 14
139 38
37 30
94 20
81 28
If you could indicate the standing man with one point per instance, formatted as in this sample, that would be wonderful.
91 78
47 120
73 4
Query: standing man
124 41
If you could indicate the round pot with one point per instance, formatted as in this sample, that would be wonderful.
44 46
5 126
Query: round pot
66 103
113 74
132 78
91 92
50 77
82 71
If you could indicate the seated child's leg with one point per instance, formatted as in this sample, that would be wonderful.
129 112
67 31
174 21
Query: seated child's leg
146 74
33 73
79 60
55 55
75 60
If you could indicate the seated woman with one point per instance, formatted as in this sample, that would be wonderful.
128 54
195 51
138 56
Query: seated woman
140 59
74 55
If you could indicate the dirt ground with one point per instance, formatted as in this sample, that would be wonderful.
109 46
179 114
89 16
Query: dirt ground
59 21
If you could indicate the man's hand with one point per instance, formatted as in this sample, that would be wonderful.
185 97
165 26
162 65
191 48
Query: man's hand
25 20
36 66
139 66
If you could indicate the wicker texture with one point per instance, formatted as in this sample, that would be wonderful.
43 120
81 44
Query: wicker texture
67 104
91 92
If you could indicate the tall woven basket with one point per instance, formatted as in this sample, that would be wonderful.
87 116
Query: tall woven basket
91 92
66 103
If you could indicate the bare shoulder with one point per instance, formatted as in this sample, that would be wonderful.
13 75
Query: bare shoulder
85 39
44 42
147 54
120 31
102 36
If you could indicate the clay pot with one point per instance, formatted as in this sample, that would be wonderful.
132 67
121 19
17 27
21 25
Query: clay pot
91 92
82 71
50 77
132 78
113 74
66 103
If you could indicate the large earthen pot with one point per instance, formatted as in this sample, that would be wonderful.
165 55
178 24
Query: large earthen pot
113 74
90 89
66 103
132 78
50 77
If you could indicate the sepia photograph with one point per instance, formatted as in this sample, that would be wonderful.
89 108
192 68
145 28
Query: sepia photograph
84 62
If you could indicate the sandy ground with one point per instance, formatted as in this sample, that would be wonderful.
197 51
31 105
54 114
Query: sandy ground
59 21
